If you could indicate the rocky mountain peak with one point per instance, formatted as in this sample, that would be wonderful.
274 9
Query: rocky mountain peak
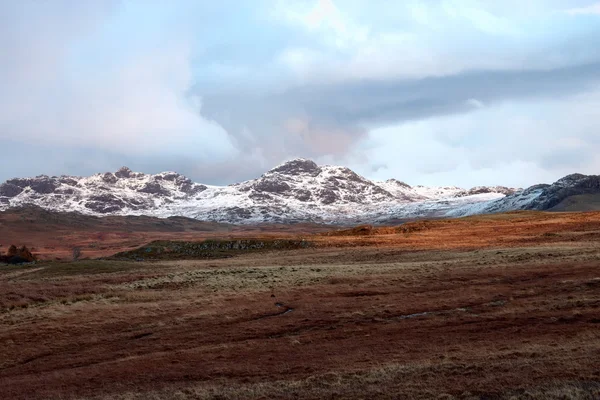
396 182
123 172
298 166
570 179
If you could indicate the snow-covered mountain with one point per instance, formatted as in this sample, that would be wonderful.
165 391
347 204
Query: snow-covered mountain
298 190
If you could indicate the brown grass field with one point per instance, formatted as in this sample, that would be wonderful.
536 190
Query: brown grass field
492 307
52 236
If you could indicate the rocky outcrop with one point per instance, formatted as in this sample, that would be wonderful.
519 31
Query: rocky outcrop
123 172
298 167
487 189
41 184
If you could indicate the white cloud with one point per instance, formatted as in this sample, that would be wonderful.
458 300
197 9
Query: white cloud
516 144
435 38
133 100
593 9
325 19
481 19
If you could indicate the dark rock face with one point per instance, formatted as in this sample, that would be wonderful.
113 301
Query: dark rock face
10 190
572 179
171 177
191 189
302 195
355 187
239 213
487 189
349 175
382 192
41 184
297 167
478 190
328 196
541 186
123 172
505 190
399 183
260 196
67 181
44 186
109 178
271 185
154 188
105 203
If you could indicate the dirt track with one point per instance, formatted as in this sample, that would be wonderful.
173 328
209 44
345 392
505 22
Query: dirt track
518 316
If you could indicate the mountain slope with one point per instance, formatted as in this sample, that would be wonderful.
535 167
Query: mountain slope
296 191
583 202
544 197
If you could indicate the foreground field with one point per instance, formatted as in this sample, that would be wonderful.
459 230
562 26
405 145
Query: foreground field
498 307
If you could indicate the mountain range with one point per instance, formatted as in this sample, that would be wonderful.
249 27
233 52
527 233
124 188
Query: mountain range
296 191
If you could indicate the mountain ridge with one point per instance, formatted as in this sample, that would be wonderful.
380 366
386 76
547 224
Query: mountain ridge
298 190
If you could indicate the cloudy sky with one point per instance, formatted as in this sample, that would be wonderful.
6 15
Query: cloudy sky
436 92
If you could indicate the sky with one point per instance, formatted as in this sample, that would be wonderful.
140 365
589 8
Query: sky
431 92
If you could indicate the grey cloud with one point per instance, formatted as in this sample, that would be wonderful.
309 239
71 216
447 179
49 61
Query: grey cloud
374 103
574 159
278 126
327 120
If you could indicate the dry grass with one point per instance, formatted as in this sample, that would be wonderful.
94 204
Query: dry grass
378 320
383 383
